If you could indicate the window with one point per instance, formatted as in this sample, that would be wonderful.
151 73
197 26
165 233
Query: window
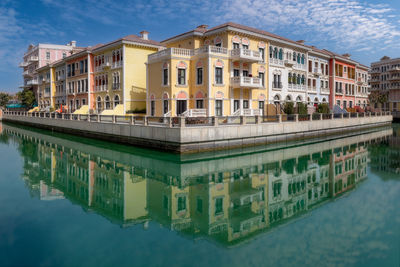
276 52
86 65
302 59
262 53
218 205
218 107
166 108
165 76
236 46
236 73
344 104
271 51
116 100
262 78
81 66
245 46
64 55
83 102
152 107
199 75
48 55
182 76
199 205
245 104
218 75
281 54
99 103
236 105
294 56
199 103
309 66
245 73
277 187
181 203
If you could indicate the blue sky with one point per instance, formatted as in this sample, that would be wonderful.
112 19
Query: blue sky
365 29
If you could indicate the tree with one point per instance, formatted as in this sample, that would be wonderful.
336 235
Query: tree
27 98
377 97
302 108
4 98
323 108
288 108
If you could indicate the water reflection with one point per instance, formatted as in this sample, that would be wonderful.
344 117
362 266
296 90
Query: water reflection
228 199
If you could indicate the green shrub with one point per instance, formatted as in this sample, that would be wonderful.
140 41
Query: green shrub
302 108
288 108
323 108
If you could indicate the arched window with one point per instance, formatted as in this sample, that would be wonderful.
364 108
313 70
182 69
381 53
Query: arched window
290 78
298 58
277 98
298 99
294 56
271 51
107 101
324 100
298 79
302 59
276 52
294 78
288 98
281 54
116 100
99 106
303 80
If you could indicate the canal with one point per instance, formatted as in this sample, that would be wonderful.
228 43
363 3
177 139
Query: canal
68 201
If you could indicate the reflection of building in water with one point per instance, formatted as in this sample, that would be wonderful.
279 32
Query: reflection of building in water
227 199
385 155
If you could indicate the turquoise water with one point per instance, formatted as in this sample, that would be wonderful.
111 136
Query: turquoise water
68 201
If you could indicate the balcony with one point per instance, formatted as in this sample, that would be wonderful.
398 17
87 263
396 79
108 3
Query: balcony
248 82
296 87
197 112
246 55
394 78
116 86
276 62
247 112
276 85
117 64
312 88
23 64
186 53
318 71
299 66
26 73
211 50
395 69
32 82
325 91
289 63
33 59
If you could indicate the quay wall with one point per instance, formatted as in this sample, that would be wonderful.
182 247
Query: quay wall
205 138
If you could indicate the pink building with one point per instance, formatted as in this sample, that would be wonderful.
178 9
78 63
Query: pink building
40 55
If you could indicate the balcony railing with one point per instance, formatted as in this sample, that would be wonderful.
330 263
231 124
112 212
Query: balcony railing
246 54
395 69
197 112
241 81
33 58
299 66
247 112
276 85
23 64
394 78
117 64
311 88
325 91
296 87
211 50
32 82
317 71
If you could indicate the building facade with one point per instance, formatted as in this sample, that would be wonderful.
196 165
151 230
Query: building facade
385 80
120 74
362 86
209 72
40 55
318 77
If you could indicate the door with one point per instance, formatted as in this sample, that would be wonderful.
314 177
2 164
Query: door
180 106
261 107
236 105
218 107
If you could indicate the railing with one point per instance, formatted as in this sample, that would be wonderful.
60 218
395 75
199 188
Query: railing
116 64
300 87
197 112
240 53
242 81
33 58
211 50
193 121
318 71
247 112
32 82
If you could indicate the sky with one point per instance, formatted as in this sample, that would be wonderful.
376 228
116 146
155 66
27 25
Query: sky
367 30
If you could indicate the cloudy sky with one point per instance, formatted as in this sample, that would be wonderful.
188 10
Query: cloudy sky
365 29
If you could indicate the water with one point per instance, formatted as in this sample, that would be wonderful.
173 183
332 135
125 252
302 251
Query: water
68 201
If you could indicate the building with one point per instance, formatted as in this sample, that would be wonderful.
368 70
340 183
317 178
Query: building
46 87
385 80
318 90
120 74
362 86
60 94
210 72
40 55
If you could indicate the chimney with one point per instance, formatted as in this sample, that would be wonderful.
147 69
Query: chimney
72 43
144 35
300 41
202 26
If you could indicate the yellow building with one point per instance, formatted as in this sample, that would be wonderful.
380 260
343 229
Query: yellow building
46 87
120 74
209 72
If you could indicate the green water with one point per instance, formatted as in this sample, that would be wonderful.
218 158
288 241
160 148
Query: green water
68 201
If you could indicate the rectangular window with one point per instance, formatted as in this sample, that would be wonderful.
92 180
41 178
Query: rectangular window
86 65
166 108
218 107
64 55
218 75
73 70
199 75
182 76
219 205
236 105
261 76
165 76
199 205
181 203
83 102
48 55
245 46
236 46
245 73
152 108
81 67
69 70
236 73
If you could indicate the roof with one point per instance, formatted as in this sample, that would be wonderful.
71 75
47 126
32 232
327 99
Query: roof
341 57
203 31
131 38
